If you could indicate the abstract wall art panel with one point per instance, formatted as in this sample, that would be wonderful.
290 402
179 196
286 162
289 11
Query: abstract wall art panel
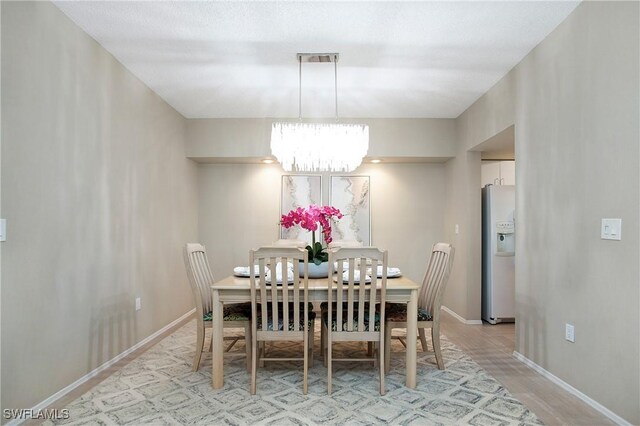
351 195
299 191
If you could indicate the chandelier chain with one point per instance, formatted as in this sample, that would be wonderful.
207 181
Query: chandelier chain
335 71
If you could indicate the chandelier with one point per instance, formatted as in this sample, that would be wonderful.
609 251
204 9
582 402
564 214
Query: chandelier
319 146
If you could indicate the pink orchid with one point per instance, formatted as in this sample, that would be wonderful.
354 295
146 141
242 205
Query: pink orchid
310 218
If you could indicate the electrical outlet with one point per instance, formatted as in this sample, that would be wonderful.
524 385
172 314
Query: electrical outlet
457 229
570 333
138 303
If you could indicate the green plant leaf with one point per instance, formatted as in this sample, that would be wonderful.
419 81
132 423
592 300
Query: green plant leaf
322 257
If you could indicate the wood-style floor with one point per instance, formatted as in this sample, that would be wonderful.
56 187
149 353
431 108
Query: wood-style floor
491 346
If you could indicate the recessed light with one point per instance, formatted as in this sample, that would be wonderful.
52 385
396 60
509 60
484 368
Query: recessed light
267 161
376 161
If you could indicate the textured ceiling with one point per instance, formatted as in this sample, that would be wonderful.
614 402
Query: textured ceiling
238 59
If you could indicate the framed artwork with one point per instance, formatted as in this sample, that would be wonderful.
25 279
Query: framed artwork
299 191
351 194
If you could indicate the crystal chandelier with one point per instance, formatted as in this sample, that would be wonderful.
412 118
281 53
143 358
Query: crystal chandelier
319 146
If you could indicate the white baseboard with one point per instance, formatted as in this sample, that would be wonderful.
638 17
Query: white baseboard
460 318
566 386
47 402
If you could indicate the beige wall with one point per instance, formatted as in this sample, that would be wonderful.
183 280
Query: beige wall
574 102
1 195
240 204
577 140
463 294
421 138
99 200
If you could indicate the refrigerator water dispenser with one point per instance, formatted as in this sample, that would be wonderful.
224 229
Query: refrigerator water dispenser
506 244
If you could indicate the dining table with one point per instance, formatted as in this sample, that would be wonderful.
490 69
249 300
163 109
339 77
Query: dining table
235 289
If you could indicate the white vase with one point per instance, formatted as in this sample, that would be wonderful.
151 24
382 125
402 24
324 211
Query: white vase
316 271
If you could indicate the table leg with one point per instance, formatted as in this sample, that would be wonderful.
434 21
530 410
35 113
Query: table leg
412 333
217 338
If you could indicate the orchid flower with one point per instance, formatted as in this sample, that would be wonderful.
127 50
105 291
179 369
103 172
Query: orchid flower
309 219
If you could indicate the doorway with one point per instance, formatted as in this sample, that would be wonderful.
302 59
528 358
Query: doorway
498 187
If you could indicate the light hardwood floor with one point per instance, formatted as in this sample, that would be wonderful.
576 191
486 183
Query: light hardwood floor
491 346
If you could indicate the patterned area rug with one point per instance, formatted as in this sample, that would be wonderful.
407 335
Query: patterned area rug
159 388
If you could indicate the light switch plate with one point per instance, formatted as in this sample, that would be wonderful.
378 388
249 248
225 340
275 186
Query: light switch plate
611 229
570 333
3 229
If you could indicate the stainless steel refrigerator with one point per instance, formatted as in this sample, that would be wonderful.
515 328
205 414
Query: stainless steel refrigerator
498 253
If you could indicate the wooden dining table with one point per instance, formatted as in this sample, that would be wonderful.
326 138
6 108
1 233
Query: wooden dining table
234 289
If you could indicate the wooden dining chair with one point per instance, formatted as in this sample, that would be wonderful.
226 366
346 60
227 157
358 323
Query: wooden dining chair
235 315
429 304
280 310
355 317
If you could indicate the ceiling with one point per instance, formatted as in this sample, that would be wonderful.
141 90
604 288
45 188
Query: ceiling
397 59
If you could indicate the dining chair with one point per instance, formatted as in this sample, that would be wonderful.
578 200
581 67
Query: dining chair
345 244
280 306
429 304
335 244
283 242
235 315
355 317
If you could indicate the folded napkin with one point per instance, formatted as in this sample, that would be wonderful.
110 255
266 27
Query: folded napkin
243 271
356 277
267 274
391 272
279 275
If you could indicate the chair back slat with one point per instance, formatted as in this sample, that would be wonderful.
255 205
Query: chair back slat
372 294
296 291
361 294
436 277
350 289
339 301
272 292
285 292
200 276
357 259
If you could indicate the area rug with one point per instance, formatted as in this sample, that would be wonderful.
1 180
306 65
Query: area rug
159 388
